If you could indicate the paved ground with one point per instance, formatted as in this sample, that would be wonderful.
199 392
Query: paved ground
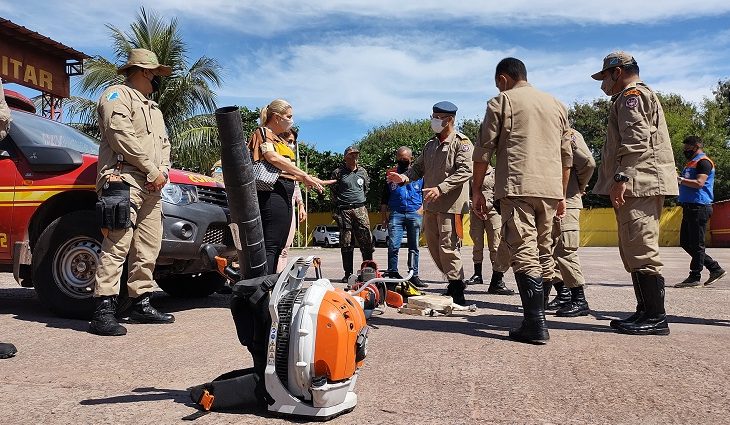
419 370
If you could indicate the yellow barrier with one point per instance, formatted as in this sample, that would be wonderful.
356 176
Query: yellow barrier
598 226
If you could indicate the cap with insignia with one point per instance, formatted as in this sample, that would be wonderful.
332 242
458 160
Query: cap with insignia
351 149
147 59
613 60
445 107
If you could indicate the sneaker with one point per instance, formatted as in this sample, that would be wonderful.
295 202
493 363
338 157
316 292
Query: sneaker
715 276
691 281
416 281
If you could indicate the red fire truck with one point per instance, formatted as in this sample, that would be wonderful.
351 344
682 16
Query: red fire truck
49 236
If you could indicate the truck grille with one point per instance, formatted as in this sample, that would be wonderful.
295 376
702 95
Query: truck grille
213 195
218 234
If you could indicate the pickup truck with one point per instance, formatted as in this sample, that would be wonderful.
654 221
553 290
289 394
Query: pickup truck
49 234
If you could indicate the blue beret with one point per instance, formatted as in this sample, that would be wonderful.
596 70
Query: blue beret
445 107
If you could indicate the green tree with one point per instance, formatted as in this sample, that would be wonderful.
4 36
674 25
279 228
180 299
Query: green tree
378 148
182 96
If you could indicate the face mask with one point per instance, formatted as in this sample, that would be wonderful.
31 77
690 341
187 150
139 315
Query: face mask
156 82
403 165
292 146
689 154
437 125
608 83
287 123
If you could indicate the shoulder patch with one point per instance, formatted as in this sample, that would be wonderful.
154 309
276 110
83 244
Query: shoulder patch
632 92
465 147
114 95
632 102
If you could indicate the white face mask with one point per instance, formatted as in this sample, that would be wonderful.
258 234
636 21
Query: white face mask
437 125
608 83
287 123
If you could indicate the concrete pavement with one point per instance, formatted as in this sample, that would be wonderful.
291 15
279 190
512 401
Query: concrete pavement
443 370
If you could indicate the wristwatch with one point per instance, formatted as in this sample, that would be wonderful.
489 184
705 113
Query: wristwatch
620 178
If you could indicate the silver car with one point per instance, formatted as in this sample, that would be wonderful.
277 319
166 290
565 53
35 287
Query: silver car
326 236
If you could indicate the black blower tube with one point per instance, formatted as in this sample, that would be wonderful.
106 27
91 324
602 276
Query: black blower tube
243 203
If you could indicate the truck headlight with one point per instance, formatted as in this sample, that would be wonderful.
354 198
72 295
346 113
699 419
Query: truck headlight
179 194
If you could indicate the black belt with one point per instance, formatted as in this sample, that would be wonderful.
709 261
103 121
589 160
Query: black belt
350 206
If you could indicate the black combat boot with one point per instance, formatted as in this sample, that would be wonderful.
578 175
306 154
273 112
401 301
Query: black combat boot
546 288
103 321
456 291
534 328
497 286
7 350
654 319
578 306
477 278
639 305
347 263
143 312
562 298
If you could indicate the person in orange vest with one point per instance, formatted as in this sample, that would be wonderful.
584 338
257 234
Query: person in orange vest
696 195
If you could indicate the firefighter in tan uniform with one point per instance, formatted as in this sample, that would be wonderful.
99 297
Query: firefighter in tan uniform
498 253
571 299
134 161
637 171
446 167
528 129
6 350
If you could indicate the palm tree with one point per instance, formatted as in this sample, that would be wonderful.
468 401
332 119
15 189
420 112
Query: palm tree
182 97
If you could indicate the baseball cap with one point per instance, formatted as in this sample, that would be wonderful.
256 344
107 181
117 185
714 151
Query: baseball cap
613 60
351 149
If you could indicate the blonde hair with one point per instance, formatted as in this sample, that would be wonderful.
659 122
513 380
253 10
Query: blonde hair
278 106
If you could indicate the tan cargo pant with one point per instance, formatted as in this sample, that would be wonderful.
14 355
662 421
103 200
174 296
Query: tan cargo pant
566 240
527 225
498 253
638 234
142 242
443 243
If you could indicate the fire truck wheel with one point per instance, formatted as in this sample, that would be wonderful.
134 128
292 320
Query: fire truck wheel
197 285
64 265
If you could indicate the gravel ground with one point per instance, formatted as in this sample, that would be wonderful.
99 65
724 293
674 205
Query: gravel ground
441 370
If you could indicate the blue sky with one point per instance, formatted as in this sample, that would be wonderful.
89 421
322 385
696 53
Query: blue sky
347 66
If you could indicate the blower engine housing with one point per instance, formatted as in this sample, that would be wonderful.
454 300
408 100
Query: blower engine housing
317 343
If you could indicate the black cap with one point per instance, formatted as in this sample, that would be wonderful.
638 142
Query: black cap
445 107
351 149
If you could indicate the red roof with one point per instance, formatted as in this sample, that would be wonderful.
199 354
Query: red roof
40 41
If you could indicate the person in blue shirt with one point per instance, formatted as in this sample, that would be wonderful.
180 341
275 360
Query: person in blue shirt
696 195
404 201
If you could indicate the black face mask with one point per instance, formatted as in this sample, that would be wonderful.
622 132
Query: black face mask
403 165
690 154
156 82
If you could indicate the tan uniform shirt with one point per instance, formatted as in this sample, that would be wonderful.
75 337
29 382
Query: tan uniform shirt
448 166
638 145
488 188
583 166
4 114
133 126
529 131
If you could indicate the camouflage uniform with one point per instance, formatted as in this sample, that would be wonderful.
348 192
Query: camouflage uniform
351 215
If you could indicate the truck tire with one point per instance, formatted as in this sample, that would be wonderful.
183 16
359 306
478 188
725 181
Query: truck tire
198 285
64 264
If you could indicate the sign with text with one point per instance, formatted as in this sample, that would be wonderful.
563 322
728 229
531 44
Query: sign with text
32 67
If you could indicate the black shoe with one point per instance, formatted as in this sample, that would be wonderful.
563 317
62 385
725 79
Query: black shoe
456 291
497 286
7 350
143 312
534 327
715 276
691 281
475 280
418 283
546 288
103 321
639 305
578 305
654 319
562 298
